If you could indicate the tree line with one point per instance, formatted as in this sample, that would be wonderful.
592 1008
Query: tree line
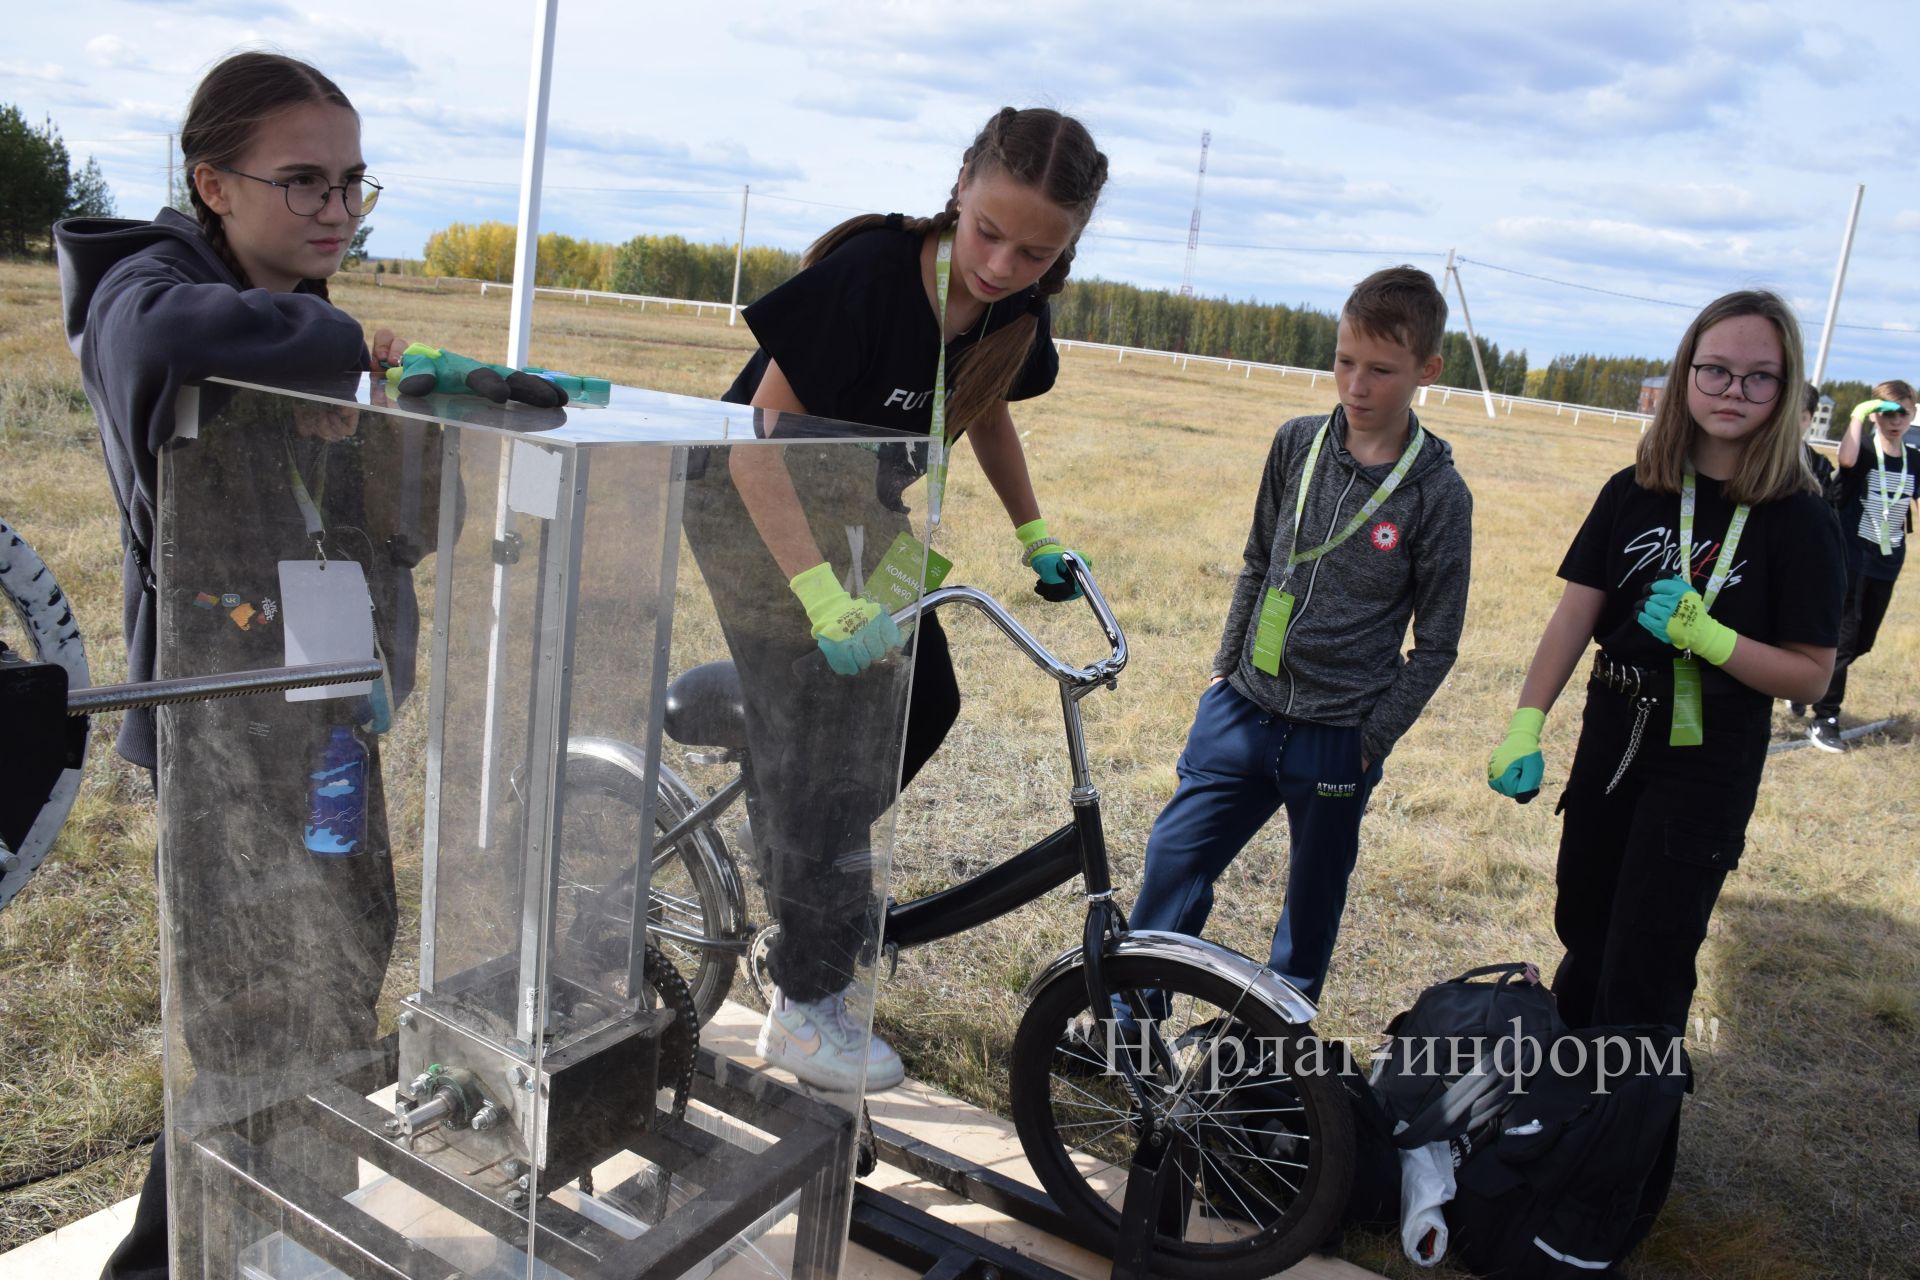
1089 310
39 185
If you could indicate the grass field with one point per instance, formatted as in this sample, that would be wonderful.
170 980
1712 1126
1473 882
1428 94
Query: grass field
1798 1157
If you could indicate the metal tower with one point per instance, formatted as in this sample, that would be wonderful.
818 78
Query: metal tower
1193 228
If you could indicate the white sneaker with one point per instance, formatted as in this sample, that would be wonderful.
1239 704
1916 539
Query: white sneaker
824 1047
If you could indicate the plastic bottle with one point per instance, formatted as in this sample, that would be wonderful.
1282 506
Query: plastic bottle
337 797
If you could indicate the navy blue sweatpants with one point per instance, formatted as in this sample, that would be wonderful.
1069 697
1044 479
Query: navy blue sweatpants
1240 765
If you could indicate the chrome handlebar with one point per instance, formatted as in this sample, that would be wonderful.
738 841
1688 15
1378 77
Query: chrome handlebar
1083 678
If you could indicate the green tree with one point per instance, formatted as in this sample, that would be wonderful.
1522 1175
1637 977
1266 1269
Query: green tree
33 181
357 249
88 195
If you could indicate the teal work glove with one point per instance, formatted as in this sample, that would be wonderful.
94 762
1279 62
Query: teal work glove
424 370
851 633
1675 613
1875 405
1516 766
1041 552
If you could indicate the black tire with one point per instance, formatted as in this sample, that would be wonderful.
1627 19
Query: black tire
600 842
1262 1133
38 625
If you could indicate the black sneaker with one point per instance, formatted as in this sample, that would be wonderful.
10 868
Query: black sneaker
1825 734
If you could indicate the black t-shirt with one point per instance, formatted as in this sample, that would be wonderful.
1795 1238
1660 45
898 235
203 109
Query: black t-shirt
857 341
1862 503
1785 583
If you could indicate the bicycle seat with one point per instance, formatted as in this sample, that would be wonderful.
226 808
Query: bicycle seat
705 708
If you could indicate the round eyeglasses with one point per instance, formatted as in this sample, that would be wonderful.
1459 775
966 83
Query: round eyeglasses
1755 388
307 193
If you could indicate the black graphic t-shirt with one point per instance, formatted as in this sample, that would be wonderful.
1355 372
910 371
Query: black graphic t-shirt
857 340
1785 584
1871 490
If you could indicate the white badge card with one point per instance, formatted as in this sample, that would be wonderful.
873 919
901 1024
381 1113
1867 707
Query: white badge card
327 613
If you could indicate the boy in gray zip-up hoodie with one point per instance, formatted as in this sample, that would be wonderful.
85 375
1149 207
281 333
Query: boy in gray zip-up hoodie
1361 525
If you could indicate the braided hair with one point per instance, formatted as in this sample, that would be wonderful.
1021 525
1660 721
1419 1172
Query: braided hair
1039 148
234 99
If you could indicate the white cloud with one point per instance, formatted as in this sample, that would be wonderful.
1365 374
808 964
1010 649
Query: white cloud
110 51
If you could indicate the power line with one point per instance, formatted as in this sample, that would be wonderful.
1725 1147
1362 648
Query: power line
1664 302
1265 248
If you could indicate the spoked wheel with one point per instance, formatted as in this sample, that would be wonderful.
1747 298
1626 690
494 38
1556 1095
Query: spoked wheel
1262 1138
689 904
37 626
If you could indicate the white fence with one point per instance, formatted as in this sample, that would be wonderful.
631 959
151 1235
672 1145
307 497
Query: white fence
1313 376
1120 354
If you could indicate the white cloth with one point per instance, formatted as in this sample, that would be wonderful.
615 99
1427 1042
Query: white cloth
1426 1183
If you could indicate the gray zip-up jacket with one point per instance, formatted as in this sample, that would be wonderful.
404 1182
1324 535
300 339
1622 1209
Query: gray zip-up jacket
1342 663
150 308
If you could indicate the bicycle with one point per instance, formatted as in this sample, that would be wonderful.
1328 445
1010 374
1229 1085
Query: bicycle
1167 1091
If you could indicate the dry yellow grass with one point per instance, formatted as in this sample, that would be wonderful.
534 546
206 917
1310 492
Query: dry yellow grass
1798 1158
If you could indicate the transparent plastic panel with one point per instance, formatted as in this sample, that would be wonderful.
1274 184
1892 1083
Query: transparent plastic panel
446 952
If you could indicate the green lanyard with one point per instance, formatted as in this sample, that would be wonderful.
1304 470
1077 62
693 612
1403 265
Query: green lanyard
309 509
1886 498
937 448
1689 718
1276 611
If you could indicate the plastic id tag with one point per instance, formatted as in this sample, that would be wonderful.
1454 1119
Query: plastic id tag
895 582
1270 637
328 615
1688 718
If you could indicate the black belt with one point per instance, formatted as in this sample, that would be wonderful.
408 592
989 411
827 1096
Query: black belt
1651 684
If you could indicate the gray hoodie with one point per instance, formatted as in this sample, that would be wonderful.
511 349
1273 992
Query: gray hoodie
1410 560
151 308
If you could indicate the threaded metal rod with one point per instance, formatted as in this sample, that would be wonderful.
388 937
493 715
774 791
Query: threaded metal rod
231 684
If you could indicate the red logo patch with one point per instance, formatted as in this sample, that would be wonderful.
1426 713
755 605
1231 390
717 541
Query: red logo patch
1385 535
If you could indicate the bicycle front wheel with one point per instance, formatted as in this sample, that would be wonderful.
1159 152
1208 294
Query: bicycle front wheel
1260 1130
692 916
38 625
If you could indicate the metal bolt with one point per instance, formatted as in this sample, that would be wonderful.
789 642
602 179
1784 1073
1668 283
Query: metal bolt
391 1126
486 1117
409 1019
516 1199
525 1182
516 1168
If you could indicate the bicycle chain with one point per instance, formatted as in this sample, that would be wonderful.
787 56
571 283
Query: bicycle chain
679 1046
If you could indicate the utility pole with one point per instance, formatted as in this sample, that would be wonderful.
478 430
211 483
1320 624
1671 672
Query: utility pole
1193 228
739 253
1473 343
1839 280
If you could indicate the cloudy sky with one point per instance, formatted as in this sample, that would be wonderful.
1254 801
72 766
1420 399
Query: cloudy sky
1667 152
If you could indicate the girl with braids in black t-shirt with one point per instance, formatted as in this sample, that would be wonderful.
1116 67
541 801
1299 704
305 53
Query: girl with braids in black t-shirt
860 335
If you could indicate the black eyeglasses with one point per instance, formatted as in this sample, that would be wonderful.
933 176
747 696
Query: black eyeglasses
1755 388
307 193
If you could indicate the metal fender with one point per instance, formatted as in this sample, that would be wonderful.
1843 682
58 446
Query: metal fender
1265 985
631 760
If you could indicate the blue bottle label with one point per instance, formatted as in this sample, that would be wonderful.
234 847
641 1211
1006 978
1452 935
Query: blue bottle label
337 799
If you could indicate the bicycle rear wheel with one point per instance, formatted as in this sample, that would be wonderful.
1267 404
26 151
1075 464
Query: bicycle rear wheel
39 626
687 888
1262 1135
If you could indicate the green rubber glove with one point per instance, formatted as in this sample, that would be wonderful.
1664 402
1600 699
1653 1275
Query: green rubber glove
1674 612
424 370
1041 552
1516 766
851 633
1875 405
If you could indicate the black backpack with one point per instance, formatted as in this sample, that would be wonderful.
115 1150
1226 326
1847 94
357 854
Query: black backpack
1570 1179
1453 1058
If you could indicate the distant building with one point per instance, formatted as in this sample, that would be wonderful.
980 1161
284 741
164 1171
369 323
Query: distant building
1650 389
